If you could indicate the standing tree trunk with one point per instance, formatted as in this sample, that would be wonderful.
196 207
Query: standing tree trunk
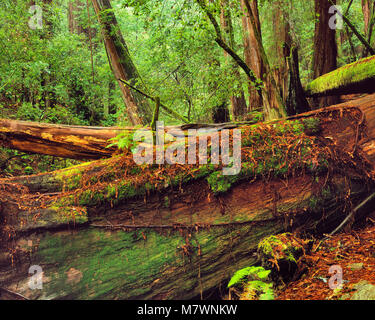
286 70
368 8
47 95
282 40
239 107
138 109
273 105
325 48
296 101
74 9
251 53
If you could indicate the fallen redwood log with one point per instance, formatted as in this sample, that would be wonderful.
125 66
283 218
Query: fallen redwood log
113 230
75 142
357 77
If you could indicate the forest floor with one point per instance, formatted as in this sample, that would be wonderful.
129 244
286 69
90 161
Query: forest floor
353 251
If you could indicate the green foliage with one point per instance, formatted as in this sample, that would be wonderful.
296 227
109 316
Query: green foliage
240 276
258 290
254 282
47 73
122 141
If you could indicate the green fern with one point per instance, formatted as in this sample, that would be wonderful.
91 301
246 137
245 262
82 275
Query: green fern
258 273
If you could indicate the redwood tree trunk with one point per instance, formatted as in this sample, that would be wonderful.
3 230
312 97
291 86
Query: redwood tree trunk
239 107
282 40
74 9
273 105
251 53
286 67
325 48
368 8
138 109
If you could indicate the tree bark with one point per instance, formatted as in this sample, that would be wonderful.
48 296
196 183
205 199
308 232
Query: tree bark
325 48
273 105
74 9
368 8
296 101
138 108
282 40
239 107
77 142
251 52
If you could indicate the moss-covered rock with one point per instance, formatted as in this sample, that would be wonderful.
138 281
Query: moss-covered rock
281 254
363 291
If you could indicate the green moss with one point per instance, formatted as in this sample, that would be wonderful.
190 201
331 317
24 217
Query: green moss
70 178
118 265
269 158
166 202
352 73
272 159
280 247
319 200
312 125
267 244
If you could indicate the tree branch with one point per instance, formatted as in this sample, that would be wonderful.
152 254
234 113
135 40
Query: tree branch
355 31
220 41
169 110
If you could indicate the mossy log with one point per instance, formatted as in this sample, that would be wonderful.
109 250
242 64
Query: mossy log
357 77
185 236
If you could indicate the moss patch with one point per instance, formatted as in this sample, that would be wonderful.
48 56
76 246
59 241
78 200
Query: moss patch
281 254
353 73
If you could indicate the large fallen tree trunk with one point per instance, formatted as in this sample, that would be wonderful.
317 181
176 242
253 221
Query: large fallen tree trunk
74 142
357 77
110 229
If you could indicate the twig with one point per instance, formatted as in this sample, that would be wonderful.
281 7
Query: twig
355 31
372 196
176 226
18 295
172 112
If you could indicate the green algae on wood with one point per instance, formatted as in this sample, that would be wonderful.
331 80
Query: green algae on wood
142 264
357 77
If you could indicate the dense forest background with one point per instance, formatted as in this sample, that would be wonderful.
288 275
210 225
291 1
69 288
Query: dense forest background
58 71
